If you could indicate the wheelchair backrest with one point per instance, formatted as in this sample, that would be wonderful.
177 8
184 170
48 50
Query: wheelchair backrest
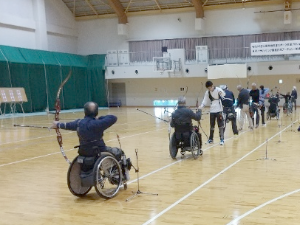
182 128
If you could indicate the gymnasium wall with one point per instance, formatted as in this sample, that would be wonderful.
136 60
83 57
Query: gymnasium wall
18 25
100 35
142 92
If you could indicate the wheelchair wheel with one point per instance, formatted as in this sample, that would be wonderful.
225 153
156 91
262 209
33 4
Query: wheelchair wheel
74 180
108 176
172 147
195 145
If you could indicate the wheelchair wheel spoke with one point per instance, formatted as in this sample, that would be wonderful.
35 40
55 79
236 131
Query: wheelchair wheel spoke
111 174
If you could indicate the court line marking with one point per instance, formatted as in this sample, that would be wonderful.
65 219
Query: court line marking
34 138
24 160
209 180
234 222
67 132
146 175
166 166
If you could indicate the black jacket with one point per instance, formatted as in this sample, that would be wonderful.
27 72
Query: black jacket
255 95
90 131
243 98
184 116
294 94
228 99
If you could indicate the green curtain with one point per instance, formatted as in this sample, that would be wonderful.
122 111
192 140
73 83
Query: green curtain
96 79
42 72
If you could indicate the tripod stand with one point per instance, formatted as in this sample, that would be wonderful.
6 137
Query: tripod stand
138 180
266 158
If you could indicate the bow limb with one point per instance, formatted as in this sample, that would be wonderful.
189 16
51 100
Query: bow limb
57 110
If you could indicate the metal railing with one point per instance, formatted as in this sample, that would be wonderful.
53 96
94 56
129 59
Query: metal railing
215 56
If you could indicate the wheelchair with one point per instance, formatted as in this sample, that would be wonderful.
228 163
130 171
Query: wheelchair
288 108
273 111
107 175
190 141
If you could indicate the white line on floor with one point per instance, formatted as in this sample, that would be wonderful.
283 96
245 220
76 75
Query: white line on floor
234 222
208 181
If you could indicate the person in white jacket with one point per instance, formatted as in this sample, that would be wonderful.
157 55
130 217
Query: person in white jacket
213 97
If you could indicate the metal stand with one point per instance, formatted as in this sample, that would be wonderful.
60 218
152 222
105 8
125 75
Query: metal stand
280 131
138 180
266 158
292 123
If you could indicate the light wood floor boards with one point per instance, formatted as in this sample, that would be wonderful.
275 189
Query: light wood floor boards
226 183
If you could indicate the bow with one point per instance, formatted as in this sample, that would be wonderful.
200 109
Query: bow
57 110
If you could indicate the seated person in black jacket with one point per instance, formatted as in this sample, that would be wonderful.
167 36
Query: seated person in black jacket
181 120
90 133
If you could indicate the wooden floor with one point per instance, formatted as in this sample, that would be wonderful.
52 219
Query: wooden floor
231 184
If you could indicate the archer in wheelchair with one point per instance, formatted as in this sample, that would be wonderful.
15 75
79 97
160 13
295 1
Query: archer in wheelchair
186 136
273 110
97 165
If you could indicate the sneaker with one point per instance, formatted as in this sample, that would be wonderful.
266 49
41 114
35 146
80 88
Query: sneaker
256 126
210 141
240 129
264 125
222 142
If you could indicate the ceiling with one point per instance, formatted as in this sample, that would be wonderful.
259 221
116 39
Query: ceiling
87 9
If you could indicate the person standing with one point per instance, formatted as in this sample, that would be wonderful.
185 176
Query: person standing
254 93
243 104
262 95
294 96
213 97
228 109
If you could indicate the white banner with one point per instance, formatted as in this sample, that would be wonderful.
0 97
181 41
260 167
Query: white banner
227 71
275 48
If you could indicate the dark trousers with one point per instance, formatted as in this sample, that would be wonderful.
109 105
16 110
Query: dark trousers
294 101
219 117
255 110
262 113
94 153
233 120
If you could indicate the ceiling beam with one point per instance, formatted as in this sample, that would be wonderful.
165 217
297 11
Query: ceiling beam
118 8
91 6
158 5
128 6
187 9
287 4
199 9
